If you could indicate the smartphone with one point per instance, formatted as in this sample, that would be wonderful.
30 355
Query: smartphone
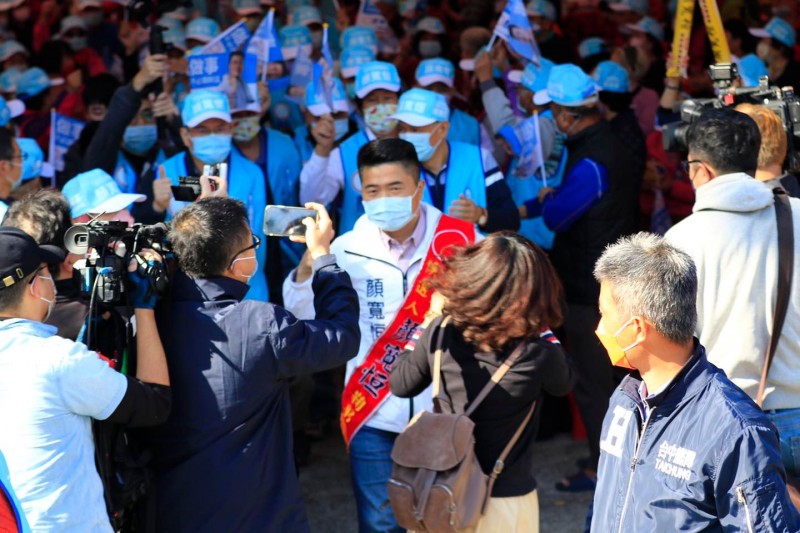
283 221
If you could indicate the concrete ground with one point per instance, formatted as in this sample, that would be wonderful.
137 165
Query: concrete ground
331 508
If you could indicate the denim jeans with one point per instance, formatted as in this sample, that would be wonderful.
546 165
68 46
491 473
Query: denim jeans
370 468
788 423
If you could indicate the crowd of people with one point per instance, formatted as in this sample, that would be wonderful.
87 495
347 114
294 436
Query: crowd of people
470 197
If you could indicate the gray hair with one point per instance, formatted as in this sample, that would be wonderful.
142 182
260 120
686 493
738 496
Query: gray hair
654 280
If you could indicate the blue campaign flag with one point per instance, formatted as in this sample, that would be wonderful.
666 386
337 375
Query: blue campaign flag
208 70
228 41
515 29
265 42
303 69
327 70
65 132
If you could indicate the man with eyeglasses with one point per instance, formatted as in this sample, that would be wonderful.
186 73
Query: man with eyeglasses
224 459
10 168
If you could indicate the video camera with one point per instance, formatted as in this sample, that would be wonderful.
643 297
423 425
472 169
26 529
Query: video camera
111 246
783 101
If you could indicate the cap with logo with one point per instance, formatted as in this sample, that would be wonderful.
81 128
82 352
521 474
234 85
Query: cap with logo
362 36
10 109
533 78
541 8
436 70
777 29
751 70
430 25
640 6
294 38
316 102
204 104
592 46
650 26
306 15
352 58
21 256
611 77
11 48
247 7
568 86
202 29
377 75
32 158
31 83
95 192
420 107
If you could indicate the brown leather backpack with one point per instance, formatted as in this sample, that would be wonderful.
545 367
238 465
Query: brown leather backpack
437 484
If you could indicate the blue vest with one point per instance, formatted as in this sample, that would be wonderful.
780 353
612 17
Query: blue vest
304 145
245 183
464 128
126 176
464 175
352 208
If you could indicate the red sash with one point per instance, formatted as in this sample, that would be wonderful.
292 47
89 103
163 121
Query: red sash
368 387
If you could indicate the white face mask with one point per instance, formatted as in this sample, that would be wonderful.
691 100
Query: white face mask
255 267
50 303
763 51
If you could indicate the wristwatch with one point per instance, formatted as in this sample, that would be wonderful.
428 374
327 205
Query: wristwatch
484 217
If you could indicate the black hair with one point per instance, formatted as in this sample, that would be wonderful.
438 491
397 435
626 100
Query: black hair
589 63
739 30
10 297
6 144
785 51
616 102
99 89
207 234
36 103
727 140
43 215
385 151
51 55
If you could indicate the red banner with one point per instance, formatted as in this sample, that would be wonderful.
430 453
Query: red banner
368 387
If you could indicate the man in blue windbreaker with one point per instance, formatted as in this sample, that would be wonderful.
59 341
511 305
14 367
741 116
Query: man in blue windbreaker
682 448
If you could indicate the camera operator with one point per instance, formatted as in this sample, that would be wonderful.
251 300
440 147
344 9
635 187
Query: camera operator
732 236
224 460
772 153
51 388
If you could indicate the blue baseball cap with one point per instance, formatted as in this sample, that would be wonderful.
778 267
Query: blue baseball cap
777 29
640 6
32 158
293 38
352 58
202 29
649 26
751 69
305 15
31 83
436 70
315 99
533 78
568 86
361 36
9 78
10 109
377 75
592 46
420 107
10 48
174 34
247 7
430 25
541 8
204 104
96 192
611 77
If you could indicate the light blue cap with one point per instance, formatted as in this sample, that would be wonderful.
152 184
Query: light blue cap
431 25
202 29
362 36
204 104
650 26
315 99
247 7
420 107
778 29
32 82
10 48
377 75
611 77
9 78
32 158
352 58
568 86
533 78
10 109
430 71
640 6
541 8
306 15
291 38
751 69
592 46
174 33
96 192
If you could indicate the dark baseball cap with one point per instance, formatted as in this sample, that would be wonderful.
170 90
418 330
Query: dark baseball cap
21 256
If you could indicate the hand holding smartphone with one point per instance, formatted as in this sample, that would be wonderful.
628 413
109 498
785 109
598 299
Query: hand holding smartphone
285 221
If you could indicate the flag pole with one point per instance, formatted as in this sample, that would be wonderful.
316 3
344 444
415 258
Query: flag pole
539 147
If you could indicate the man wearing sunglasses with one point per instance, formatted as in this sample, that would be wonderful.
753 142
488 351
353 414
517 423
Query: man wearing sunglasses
224 459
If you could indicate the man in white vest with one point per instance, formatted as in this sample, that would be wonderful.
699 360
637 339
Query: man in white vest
392 249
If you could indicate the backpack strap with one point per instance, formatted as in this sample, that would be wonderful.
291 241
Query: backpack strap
437 366
496 377
500 463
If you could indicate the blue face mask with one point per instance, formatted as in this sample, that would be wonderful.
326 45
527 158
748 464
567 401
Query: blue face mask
342 127
390 213
212 149
422 144
139 139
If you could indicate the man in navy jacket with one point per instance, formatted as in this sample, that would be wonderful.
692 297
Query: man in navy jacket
224 458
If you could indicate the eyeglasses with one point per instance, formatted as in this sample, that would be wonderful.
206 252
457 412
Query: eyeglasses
254 246
686 164
21 156
225 129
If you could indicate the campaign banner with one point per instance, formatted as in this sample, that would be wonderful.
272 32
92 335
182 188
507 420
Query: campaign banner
265 44
228 41
208 71
529 158
369 15
231 74
515 29
63 134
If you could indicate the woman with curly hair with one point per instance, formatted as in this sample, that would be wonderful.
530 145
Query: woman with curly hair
499 293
